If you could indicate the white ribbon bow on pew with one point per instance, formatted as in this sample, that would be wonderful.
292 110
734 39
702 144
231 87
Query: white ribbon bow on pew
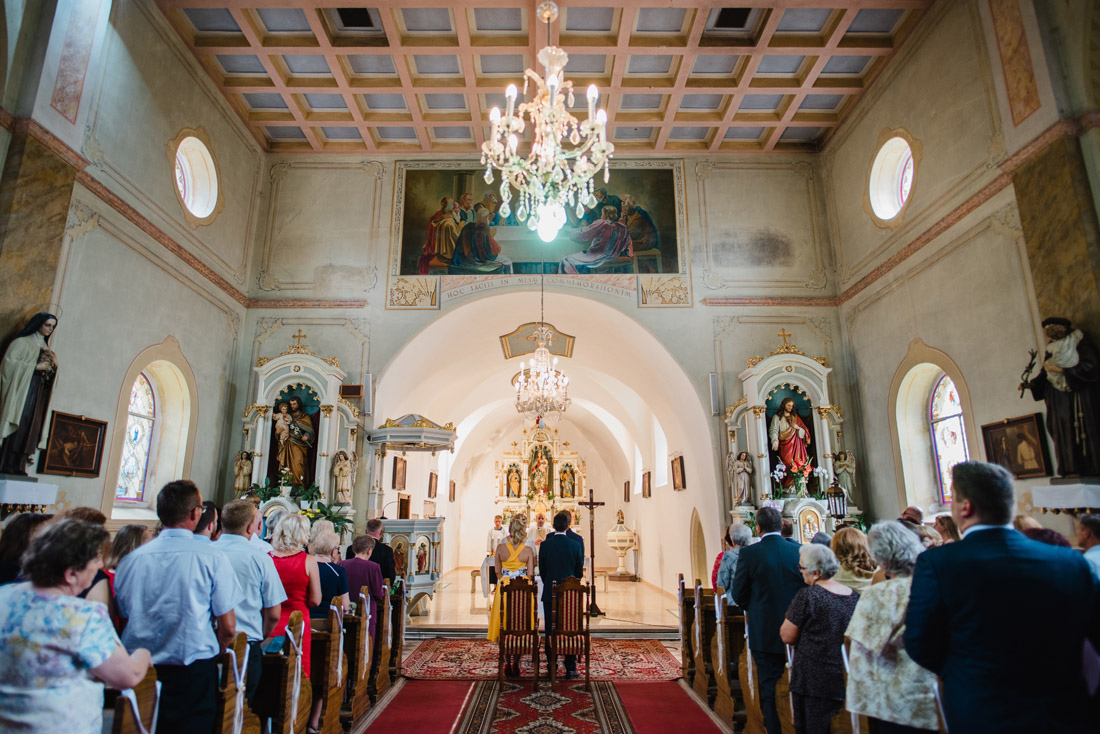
297 689
238 681
340 644
364 671
130 696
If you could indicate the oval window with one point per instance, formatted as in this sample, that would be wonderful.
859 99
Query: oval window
196 177
891 178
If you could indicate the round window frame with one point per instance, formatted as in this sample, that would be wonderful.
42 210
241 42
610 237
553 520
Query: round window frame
874 173
172 150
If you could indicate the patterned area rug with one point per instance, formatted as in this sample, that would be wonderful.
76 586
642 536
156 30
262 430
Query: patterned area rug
450 659
570 709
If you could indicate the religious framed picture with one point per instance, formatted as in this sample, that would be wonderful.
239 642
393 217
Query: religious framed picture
678 481
433 484
626 491
75 446
451 492
398 472
647 485
429 508
1019 445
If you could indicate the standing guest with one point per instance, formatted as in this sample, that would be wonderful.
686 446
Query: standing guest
262 592
362 571
1023 522
14 541
929 538
814 625
100 588
766 580
821 539
497 534
739 536
575 537
884 683
856 567
325 548
946 527
300 576
514 559
1048 536
727 543
262 539
209 527
969 597
912 513
1088 537
559 558
382 553
787 531
128 539
320 526
59 650
168 590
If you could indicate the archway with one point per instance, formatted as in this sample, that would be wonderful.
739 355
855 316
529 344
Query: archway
633 406
699 570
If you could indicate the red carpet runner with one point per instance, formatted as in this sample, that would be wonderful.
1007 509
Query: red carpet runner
423 707
658 708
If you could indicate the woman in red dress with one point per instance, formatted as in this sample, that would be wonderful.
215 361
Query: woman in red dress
299 574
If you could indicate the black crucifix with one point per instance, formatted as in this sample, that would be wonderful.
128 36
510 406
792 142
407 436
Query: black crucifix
591 506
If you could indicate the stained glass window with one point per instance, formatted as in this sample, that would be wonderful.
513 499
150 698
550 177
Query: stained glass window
138 440
948 433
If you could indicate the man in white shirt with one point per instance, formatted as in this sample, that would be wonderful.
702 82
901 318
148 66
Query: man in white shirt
168 590
497 534
1088 537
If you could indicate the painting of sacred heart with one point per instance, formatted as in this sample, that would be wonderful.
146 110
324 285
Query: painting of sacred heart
75 446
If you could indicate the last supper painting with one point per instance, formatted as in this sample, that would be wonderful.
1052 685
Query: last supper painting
453 223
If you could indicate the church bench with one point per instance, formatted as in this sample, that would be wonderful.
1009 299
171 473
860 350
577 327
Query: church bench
231 706
139 701
685 607
726 652
702 634
358 647
285 694
398 609
749 680
380 669
328 668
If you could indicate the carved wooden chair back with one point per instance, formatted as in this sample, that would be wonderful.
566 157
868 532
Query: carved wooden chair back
569 630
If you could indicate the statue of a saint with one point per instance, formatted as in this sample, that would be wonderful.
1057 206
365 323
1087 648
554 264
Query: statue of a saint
341 468
242 474
27 375
293 439
741 468
422 558
513 481
1068 385
789 438
844 469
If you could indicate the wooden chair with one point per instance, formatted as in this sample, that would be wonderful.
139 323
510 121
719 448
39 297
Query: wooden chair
380 669
727 650
570 633
136 708
519 626
703 631
398 606
285 694
358 647
328 667
233 714
686 607
647 261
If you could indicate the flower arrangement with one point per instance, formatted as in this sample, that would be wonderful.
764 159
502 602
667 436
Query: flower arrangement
799 477
340 522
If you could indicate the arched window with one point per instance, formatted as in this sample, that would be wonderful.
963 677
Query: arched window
945 416
138 442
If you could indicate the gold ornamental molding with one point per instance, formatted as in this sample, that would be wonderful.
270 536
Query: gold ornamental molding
784 348
299 348
352 408
758 410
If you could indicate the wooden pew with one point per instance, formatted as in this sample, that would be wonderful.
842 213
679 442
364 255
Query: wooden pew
145 695
702 637
359 647
726 652
685 606
380 670
231 707
398 602
275 698
328 667
749 678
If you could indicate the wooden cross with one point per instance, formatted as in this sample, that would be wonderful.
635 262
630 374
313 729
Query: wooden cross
591 506
784 335
298 337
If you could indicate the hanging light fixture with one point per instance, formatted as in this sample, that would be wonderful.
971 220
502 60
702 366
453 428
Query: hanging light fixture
550 178
541 388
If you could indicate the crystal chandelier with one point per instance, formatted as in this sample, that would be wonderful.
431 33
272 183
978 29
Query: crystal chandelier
541 388
550 177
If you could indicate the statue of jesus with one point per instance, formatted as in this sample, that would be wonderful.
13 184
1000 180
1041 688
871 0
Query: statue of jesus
789 437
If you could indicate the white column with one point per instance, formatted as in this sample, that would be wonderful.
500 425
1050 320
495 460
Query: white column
758 451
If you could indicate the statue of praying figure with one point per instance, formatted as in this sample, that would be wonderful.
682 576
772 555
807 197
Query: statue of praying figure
740 468
844 469
341 468
242 474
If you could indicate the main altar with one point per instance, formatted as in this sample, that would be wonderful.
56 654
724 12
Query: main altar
540 474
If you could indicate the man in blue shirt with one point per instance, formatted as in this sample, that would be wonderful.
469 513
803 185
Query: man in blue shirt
209 527
168 590
262 590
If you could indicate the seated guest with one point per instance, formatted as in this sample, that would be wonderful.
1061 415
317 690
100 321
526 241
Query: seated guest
100 588
727 543
262 592
361 571
59 650
325 548
856 567
300 576
738 536
168 591
969 598
884 683
815 624
209 527
1088 537
1048 536
947 528
14 540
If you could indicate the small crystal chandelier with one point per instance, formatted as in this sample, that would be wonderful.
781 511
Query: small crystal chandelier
551 177
541 388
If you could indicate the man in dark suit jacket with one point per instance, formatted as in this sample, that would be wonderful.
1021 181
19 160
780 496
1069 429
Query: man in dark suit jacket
559 558
766 580
382 553
575 537
1002 619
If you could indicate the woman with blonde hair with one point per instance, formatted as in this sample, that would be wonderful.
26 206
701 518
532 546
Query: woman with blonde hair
300 576
513 559
946 527
856 567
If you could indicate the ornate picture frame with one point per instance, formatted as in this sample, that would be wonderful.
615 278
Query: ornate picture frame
399 465
433 484
647 485
74 447
679 481
1019 445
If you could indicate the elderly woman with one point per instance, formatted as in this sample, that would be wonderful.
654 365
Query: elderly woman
815 624
884 683
52 639
856 567
739 536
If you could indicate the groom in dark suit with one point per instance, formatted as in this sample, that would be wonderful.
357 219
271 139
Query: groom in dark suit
1002 619
766 579
559 558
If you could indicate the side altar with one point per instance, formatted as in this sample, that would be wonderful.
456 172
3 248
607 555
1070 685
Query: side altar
416 548
540 475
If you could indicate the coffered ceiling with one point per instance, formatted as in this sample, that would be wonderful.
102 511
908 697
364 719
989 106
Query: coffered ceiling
414 78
